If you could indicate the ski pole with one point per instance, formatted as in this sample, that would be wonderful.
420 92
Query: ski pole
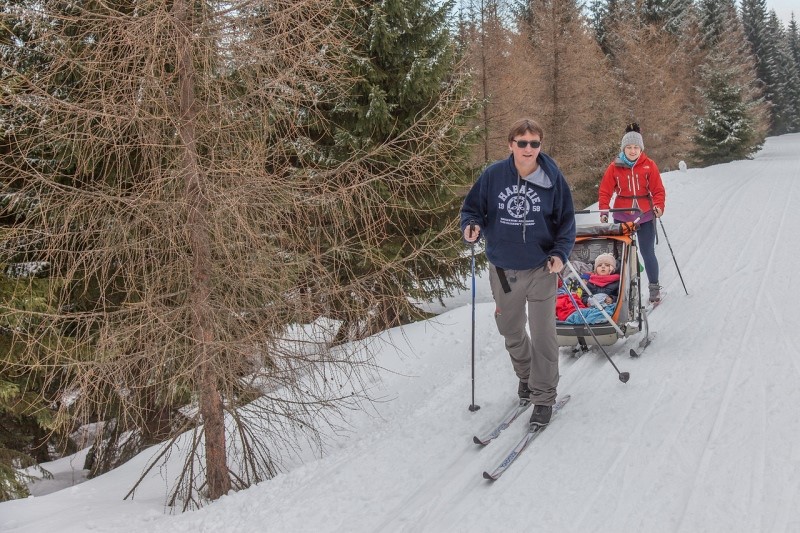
673 256
473 407
623 376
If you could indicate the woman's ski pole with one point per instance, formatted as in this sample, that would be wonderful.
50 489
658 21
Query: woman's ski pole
473 407
673 256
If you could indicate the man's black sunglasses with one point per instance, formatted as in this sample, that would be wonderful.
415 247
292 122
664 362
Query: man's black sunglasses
524 144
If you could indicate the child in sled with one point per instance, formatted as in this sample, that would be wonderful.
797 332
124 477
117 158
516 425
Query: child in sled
603 284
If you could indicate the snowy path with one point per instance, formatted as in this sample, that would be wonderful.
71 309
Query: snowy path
704 437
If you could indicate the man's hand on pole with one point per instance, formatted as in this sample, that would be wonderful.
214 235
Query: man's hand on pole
554 264
472 232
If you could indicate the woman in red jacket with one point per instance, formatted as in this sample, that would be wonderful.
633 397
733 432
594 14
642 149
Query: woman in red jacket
634 179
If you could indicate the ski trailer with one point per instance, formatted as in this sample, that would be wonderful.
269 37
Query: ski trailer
629 315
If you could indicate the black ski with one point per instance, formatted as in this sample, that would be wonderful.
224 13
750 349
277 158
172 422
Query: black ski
530 435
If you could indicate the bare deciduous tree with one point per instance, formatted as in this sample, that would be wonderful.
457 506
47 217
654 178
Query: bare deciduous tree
656 72
196 237
571 91
498 66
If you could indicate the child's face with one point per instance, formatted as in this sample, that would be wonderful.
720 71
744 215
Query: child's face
604 269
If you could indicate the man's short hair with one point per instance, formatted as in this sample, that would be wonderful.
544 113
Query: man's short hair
523 126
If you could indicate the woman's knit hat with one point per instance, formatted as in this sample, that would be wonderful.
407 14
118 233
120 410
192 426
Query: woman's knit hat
632 137
605 259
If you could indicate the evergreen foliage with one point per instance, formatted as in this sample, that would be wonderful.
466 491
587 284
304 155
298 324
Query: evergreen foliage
793 41
407 68
725 133
786 84
774 64
677 14
28 433
38 57
732 121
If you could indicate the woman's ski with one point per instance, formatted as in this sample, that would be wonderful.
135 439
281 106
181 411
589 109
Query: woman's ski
530 435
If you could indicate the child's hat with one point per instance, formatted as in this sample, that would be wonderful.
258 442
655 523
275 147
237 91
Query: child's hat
605 259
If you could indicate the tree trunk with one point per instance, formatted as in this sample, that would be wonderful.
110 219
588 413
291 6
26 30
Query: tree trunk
217 476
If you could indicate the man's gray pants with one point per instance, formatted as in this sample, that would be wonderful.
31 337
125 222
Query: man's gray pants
534 355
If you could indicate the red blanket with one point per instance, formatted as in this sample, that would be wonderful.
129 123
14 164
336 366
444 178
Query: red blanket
565 307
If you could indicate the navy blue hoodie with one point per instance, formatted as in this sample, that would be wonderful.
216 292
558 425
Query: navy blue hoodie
523 222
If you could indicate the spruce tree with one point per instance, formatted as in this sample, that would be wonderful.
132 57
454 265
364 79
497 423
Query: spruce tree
793 52
765 35
677 14
793 41
733 120
786 80
408 73
725 133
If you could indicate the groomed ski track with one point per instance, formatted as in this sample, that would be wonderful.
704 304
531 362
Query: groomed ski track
704 437
695 441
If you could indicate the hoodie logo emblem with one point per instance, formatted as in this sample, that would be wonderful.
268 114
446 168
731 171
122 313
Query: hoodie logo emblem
518 202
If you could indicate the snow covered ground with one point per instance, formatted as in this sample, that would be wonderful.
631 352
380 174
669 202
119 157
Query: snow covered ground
704 437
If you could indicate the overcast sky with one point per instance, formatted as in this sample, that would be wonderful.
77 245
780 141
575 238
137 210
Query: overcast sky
784 9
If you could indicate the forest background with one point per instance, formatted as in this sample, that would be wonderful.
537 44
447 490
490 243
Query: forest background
207 208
